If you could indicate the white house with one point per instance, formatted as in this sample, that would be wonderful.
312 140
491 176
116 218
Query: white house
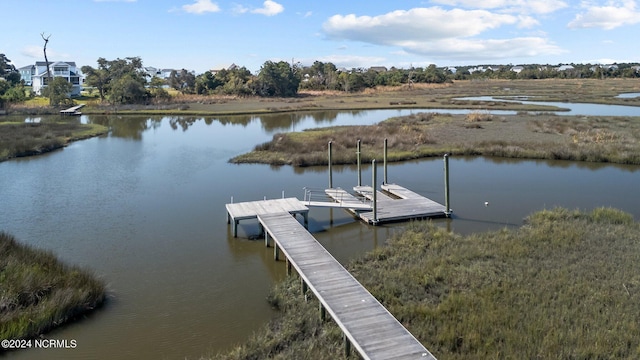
64 69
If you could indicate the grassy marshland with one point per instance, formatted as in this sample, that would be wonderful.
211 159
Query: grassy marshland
533 136
38 293
563 286
26 139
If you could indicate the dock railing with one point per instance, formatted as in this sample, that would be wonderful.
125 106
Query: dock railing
334 198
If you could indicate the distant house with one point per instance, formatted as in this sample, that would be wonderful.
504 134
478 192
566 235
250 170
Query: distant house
378 69
63 69
228 68
565 68
164 74
517 69
26 74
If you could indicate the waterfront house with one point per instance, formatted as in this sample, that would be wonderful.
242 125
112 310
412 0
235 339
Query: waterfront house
64 69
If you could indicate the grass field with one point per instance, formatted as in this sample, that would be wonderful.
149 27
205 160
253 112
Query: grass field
38 293
563 286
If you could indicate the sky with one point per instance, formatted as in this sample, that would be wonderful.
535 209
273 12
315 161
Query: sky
201 35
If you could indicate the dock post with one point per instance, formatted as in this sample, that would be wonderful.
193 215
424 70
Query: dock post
276 252
384 177
234 225
374 172
446 186
359 164
266 239
347 345
330 170
323 312
288 267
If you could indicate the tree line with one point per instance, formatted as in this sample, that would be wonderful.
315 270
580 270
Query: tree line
125 81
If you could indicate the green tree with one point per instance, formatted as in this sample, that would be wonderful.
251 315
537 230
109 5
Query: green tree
206 83
127 89
119 73
157 88
278 79
58 91
98 78
15 94
183 81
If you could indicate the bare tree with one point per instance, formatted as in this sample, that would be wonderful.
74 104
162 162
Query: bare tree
46 41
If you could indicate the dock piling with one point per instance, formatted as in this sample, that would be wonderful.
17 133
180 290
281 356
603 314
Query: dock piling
384 177
330 170
374 181
358 154
447 206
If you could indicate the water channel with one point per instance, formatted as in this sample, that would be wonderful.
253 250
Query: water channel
144 209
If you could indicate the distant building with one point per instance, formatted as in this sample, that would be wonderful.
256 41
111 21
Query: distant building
565 67
517 69
229 68
26 73
36 75
378 69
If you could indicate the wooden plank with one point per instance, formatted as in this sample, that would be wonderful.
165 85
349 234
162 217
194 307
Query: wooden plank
401 191
370 328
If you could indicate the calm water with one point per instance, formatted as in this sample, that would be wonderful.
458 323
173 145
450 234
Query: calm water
144 209
574 109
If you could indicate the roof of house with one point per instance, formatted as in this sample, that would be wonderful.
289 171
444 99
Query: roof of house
43 63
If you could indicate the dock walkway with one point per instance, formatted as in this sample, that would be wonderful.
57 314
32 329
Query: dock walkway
251 210
369 327
72 110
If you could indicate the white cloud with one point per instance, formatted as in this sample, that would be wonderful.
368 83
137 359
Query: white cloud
416 24
36 52
201 7
518 6
466 49
444 34
611 16
269 8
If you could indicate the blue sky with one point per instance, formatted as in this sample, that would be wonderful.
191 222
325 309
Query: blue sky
210 34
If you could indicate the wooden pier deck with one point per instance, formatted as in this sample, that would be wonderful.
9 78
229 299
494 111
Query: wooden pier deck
408 205
251 210
369 327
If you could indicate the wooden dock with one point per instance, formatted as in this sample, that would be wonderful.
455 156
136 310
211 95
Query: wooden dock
367 325
251 210
72 111
396 204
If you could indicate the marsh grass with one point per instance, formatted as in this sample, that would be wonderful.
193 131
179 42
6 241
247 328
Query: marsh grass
532 136
26 139
563 286
38 292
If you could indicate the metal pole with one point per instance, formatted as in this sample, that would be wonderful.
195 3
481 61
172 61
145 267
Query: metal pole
359 165
374 172
446 186
384 180
330 170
